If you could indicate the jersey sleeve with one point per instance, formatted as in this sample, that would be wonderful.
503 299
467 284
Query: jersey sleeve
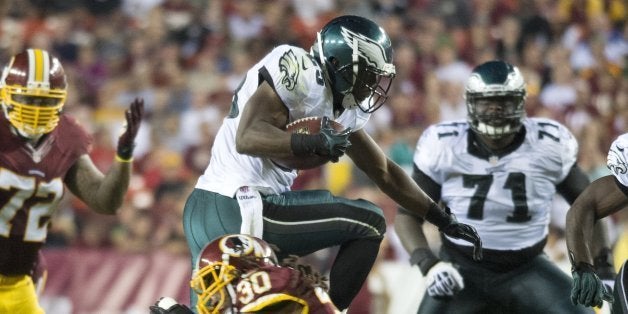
356 119
568 151
555 146
73 138
617 159
296 78
428 153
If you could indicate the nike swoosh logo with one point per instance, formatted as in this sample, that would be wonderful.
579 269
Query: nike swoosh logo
303 64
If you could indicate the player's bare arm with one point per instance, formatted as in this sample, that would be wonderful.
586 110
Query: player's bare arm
388 176
408 224
600 199
573 185
399 186
104 194
260 132
609 198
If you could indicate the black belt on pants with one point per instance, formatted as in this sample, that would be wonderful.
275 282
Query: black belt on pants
496 260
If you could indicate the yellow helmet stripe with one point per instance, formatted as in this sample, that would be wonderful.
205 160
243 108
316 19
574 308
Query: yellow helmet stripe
38 68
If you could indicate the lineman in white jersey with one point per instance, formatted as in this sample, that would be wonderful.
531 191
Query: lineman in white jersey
601 198
345 77
498 172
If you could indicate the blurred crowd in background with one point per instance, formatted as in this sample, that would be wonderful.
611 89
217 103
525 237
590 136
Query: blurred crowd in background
185 57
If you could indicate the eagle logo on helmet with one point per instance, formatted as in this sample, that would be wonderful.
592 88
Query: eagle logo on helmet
367 48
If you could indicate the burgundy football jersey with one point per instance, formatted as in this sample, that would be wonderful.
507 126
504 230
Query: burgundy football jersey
271 288
31 185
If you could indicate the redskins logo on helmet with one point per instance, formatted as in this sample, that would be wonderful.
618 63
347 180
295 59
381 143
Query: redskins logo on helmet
221 262
33 92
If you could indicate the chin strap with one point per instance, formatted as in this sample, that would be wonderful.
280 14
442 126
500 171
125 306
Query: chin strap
348 101
32 139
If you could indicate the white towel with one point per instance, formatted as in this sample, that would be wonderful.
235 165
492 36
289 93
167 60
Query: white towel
251 208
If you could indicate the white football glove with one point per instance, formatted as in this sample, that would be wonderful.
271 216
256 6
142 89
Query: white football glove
443 280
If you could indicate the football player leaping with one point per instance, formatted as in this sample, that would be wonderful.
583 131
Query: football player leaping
41 150
238 273
602 197
498 171
345 77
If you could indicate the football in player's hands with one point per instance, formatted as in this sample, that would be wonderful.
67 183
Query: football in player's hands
311 125
308 125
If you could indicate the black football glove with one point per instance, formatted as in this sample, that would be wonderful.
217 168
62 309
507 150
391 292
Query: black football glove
166 305
327 143
126 141
465 232
588 289
336 143
448 225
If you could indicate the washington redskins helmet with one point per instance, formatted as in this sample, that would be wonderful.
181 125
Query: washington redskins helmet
501 83
357 56
33 92
221 262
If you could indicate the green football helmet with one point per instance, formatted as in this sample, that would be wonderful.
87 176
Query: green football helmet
495 95
356 55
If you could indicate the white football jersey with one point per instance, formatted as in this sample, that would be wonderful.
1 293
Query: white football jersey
298 81
507 199
617 160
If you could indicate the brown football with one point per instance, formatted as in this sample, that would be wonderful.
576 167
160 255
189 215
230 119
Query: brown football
308 125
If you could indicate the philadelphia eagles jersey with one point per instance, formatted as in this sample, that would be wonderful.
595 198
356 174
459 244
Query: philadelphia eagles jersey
298 81
506 198
617 160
